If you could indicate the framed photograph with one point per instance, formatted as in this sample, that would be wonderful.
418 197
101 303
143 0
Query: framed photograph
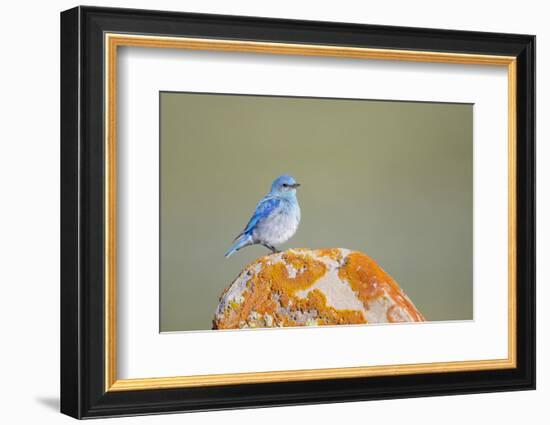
261 212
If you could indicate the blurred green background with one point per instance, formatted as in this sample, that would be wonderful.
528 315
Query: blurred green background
391 179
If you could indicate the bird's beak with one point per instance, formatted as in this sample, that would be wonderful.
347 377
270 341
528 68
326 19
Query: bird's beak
296 185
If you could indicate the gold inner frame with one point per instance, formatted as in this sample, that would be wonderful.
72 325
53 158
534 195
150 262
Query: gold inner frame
113 41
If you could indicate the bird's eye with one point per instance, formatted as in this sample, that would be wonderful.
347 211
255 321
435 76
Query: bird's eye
285 185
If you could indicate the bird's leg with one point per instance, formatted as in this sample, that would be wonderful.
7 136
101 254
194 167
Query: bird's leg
271 248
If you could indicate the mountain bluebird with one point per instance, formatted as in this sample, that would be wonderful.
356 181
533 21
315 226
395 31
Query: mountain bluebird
275 219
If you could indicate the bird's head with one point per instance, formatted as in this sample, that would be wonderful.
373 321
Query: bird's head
284 185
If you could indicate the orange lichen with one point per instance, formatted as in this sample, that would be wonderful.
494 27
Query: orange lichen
332 253
371 282
327 315
269 295
273 281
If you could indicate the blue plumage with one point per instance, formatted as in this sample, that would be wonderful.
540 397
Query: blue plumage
275 219
264 208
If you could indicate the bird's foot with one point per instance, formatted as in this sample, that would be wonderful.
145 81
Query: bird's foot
271 248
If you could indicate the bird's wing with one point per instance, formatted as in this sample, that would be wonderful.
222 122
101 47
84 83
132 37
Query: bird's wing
264 208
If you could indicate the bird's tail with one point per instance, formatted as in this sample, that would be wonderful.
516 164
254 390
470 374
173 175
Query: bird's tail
241 241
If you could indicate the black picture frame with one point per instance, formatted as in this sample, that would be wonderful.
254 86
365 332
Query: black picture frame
83 392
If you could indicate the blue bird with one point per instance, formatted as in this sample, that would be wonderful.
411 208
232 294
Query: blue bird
275 219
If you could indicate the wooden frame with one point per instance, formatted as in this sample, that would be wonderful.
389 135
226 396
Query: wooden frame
90 37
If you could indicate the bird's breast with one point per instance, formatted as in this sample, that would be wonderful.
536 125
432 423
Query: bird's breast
279 227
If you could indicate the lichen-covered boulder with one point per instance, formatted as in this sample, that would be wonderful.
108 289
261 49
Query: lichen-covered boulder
304 287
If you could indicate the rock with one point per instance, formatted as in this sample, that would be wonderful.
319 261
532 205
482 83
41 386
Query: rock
304 287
